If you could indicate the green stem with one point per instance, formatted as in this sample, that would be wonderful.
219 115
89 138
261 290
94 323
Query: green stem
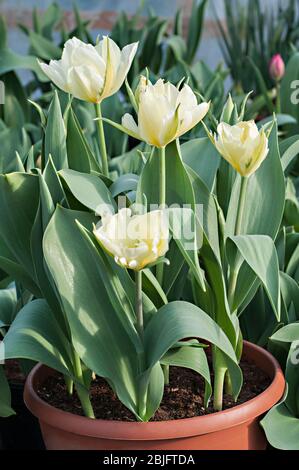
140 328
220 369
102 141
218 388
278 103
138 303
69 384
228 384
162 181
234 272
83 394
162 202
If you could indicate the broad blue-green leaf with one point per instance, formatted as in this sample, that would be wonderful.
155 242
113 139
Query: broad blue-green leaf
102 331
289 93
53 182
206 210
8 301
90 190
124 184
178 185
281 424
289 294
281 428
288 333
5 400
35 335
289 155
10 61
80 155
19 194
203 158
193 358
187 234
55 136
195 28
259 253
179 320
43 47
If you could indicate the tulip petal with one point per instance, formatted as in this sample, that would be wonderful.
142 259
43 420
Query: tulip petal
85 83
156 118
56 74
191 117
129 123
121 128
186 98
118 65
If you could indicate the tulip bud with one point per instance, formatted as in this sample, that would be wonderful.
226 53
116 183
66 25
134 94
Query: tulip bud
164 113
242 145
91 73
135 241
277 68
141 88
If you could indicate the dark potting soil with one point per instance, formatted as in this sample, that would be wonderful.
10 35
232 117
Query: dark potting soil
183 397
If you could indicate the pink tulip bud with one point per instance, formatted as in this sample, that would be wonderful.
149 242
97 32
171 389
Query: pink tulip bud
277 68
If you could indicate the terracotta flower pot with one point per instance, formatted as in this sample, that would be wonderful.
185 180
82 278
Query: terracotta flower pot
236 428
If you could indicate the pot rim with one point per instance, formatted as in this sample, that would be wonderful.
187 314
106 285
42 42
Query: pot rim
157 430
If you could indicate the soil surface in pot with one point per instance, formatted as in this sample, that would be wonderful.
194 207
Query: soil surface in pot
183 397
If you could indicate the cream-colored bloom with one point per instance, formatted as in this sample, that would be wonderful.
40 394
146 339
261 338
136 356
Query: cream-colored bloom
91 73
242 145
164 113
135 241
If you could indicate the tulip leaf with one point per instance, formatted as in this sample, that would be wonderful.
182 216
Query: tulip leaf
8 301
94 305
35 335
281 424
55 136
5 400
203 158
80 155
293 263
178 185
192 358
195 28
257 320
53 182
186 233
123 184
178 320
18 207
10 61
289 94
289 293
287 334
259 253
281 428
208 217
90 190
43 47
152 288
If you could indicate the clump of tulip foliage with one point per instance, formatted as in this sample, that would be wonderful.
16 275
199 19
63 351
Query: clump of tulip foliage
117 290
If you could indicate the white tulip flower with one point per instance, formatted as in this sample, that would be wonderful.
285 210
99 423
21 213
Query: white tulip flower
91 73
135 241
